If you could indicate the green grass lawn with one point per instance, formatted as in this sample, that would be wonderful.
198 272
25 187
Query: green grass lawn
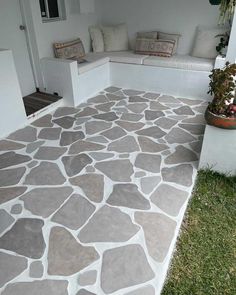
205 259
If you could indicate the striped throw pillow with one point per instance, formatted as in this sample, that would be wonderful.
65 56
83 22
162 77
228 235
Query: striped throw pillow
174 37
69 50
157 47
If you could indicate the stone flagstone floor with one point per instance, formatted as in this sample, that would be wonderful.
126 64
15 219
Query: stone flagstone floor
92 198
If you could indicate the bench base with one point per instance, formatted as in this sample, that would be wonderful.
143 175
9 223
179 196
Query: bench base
62 76
218 150
170 81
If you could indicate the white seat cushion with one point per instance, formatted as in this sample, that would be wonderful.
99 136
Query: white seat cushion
185 62
128 57
93 61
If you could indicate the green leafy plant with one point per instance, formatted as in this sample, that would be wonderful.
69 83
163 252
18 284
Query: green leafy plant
227 8
224 42
222 86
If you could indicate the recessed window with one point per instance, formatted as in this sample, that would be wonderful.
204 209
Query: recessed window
52 10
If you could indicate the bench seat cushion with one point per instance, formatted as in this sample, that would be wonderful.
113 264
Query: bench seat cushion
127 57
93 61
185 62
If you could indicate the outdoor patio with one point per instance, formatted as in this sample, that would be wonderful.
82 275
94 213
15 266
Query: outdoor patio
92 198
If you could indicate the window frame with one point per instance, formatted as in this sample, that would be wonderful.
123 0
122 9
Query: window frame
61 12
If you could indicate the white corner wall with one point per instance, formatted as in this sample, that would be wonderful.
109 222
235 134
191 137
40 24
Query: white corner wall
173 16
76 25
231 53
218 150
12 111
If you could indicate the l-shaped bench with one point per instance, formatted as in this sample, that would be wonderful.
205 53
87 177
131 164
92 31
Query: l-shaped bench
180 75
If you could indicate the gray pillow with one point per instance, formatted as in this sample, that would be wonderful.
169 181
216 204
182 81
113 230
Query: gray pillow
97 38
115 37
206 42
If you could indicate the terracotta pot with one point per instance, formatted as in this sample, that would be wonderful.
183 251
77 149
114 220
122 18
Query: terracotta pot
219 121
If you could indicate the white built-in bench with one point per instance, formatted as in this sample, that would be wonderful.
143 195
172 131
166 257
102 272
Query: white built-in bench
180 75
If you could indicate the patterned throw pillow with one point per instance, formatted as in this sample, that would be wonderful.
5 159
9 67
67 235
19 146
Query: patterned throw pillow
174 37
155 47
69 50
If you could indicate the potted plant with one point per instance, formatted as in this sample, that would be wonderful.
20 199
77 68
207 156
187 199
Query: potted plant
215 2
221 112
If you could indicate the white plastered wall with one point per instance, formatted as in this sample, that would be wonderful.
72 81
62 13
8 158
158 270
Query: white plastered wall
182 16
218 150
76 25
12 112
